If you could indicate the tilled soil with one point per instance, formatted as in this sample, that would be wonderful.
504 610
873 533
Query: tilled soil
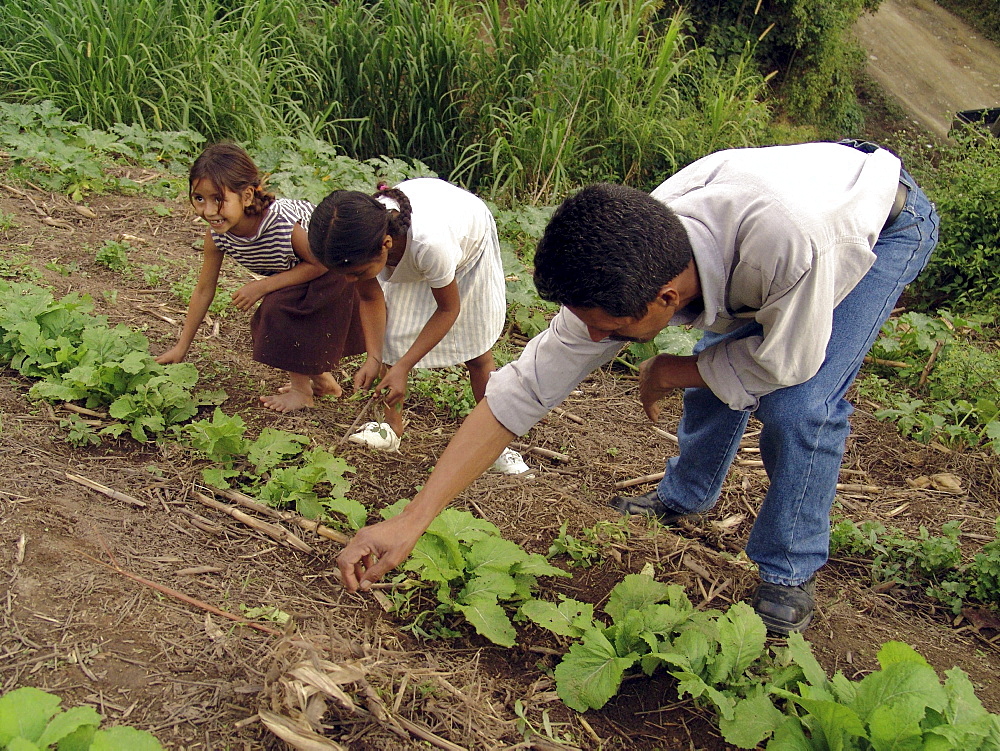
103 598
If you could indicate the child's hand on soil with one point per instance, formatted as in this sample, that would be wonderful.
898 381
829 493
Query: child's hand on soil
172 355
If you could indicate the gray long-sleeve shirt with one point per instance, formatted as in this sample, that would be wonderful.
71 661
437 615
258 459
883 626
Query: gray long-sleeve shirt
780 235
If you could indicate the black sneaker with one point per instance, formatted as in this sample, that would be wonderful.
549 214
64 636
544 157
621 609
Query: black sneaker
785 610
648 504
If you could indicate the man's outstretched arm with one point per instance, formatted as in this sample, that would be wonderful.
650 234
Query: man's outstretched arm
377 549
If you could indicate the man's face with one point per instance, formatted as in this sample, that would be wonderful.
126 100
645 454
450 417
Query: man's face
601 325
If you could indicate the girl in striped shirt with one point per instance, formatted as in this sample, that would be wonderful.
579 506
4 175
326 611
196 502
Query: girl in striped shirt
307 318
426 259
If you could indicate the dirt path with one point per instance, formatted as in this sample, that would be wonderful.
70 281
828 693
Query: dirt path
931 61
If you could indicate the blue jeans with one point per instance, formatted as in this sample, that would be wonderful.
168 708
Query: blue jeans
805 427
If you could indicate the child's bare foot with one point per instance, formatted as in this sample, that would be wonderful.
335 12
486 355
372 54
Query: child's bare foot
322 385
325 384
288 400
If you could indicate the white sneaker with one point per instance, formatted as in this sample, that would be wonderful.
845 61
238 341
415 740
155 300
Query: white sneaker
510 463
376 435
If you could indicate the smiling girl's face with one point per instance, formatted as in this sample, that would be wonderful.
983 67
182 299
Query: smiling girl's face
222 208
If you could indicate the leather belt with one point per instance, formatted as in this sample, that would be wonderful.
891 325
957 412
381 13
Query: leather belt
897 205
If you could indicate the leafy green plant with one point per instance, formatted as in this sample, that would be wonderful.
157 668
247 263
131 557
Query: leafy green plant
448 389
79 432
78 357
31 720
152 274
113 255
964 184
932 561
17 265
473 571
588 548
780 698
944 362
275 468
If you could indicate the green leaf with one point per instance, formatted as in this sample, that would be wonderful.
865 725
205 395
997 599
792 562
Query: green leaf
689 652
637 591
831 721
68 722
24 713
591 672
435 559
689 683
124 739
899 683
753 720
274 446
309 506
568 618
20 744
355 511
536 565
487 583
789 736
741 641
489 619
495 553
896 727
801 654
964 707
463 526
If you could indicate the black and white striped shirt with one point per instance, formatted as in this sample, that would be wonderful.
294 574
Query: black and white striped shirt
269 251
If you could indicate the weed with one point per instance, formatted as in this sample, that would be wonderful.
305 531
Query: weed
113 255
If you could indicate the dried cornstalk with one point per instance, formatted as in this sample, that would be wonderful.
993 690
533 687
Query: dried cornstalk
288 516
280 534
105 490
547 453
655 477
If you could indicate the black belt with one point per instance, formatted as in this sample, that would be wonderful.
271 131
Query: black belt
902 191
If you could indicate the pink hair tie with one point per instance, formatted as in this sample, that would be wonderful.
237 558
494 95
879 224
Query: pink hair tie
382 186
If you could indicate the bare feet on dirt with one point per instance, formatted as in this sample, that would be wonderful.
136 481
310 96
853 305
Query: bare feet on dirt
322 385
288 399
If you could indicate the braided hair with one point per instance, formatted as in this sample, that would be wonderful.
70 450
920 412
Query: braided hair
229 167
348 226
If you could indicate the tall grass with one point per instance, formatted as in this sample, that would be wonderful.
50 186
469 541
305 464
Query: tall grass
162 64
568 92
521 100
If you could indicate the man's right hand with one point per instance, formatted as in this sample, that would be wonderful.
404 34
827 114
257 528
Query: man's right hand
374 551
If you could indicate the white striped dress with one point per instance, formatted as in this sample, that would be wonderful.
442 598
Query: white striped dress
452 236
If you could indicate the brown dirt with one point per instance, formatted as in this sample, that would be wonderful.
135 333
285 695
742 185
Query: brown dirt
931 61
73 623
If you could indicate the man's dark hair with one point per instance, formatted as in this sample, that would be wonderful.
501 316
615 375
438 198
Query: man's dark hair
610 247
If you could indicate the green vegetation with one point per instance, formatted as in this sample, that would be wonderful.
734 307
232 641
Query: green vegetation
949 386
113 255
932 561
588 547
473 572
966 188
274 467
31 720
76 356
530 101
804 48
781 698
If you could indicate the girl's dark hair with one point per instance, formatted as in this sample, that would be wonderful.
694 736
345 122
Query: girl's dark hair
610 247
348 226
227 166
